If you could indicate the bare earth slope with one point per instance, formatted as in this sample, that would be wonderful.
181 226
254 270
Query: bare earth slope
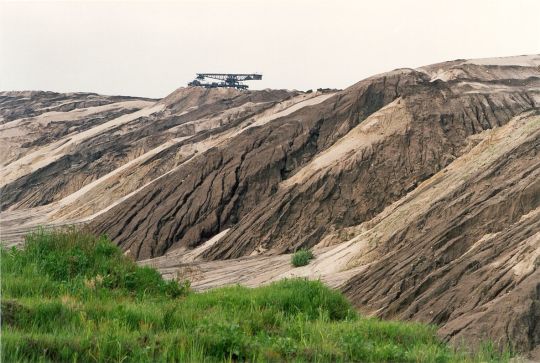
418 188
123 147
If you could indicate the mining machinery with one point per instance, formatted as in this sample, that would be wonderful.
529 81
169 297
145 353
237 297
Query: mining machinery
229 80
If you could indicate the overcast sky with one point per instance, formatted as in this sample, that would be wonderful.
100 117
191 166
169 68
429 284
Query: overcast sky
152 48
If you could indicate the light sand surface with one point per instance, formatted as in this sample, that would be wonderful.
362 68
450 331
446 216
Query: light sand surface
299 102
79 193
47 117
258 270
390 119
526 260
532 60
444 72
183 255
14 134
281 109
52 152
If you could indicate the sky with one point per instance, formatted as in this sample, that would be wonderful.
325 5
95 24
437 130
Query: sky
151 48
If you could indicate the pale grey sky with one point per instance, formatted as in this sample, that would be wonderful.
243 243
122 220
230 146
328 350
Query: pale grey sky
152 48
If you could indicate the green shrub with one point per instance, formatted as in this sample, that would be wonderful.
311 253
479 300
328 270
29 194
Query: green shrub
301 257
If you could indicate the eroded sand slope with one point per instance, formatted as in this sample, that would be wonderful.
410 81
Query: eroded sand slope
418 189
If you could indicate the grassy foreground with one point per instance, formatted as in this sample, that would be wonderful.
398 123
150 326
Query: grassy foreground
71 297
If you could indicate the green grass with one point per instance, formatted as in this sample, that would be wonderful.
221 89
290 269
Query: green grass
71 297
301 257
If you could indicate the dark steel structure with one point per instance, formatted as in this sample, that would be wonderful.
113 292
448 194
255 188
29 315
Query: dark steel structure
230 80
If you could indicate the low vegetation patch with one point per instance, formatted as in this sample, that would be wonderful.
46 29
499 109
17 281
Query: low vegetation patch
301 257
71 297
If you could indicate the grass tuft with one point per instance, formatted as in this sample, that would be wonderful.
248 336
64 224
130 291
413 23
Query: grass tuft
301 257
